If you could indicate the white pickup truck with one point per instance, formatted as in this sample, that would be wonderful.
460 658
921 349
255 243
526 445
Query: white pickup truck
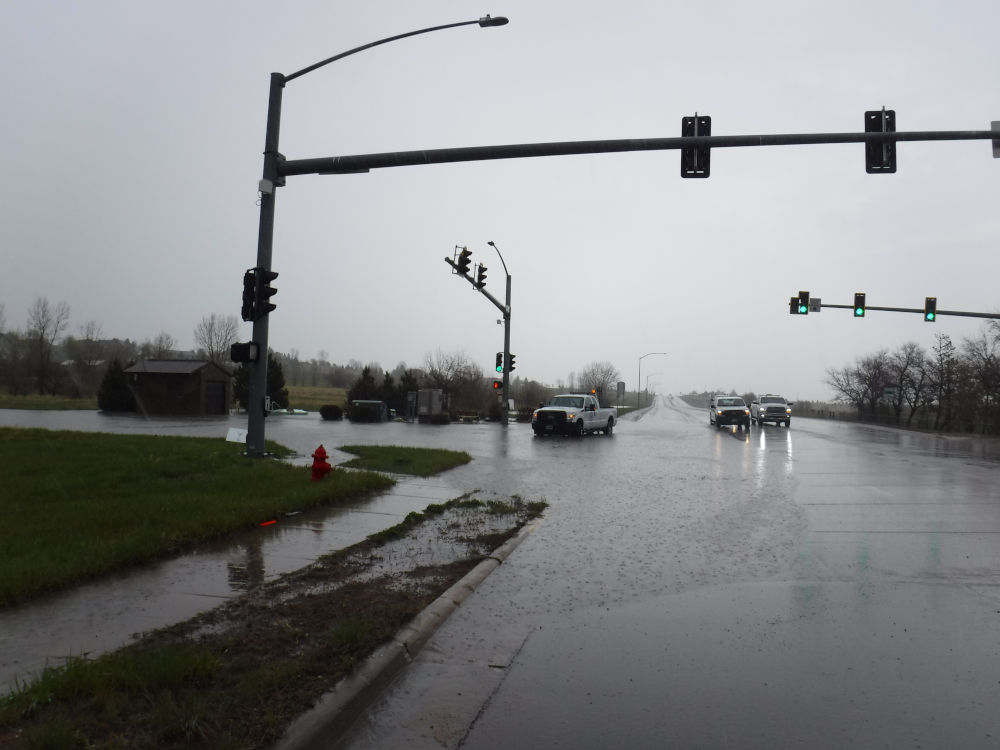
573 414
771 408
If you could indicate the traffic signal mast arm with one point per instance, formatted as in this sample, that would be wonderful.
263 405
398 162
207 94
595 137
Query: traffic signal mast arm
354 164
499 305
919 310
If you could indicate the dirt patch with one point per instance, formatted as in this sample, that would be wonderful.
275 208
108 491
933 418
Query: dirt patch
240 674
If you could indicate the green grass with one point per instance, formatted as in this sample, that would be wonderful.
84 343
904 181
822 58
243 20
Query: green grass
241 685
46 403
311 398
78 505
422 462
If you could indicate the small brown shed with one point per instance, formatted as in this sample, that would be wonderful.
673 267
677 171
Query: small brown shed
181 386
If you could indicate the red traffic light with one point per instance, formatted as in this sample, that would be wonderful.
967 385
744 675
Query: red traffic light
497 385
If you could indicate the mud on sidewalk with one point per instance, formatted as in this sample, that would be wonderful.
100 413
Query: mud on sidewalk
239 675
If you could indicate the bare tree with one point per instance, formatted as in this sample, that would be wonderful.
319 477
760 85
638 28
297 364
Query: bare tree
86 353
162 345
458 376
872 374
863 384
983 361
846 387
600 377
906 367
942 369
215 334
45 323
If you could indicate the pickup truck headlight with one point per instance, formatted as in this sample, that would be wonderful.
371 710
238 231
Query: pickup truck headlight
570 415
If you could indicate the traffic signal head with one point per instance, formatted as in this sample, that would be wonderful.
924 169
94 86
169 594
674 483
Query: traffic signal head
803 303
695 161
265 291
464 261
497 385
930 309
510 363
859 304
480 276
499 367
249 294
880 156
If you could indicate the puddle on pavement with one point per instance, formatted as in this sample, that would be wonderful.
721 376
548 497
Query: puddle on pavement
103 615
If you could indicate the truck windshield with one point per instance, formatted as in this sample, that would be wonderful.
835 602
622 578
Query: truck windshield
571 401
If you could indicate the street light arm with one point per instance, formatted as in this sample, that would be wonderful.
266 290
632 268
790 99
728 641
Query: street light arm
485 21
271 179
506 272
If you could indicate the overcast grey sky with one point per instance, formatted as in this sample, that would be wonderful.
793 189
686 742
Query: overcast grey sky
133 133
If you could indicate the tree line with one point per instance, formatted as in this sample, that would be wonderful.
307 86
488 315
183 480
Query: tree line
42 358
948 389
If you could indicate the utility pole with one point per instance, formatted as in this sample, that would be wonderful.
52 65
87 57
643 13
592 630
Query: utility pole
461 268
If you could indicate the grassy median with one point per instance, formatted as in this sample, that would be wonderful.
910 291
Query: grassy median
233 677
79 505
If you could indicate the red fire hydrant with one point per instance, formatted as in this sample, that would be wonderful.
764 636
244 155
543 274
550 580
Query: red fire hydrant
320 467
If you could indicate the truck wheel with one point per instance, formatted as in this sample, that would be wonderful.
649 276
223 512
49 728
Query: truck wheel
609 430
788 423
579 429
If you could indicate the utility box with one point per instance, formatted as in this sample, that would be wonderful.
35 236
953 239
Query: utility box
430 403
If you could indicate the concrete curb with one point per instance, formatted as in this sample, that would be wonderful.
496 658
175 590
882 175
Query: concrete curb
325 723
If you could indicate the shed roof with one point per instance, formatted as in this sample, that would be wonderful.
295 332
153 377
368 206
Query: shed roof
169 366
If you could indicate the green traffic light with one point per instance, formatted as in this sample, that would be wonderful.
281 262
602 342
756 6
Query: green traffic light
859 312
929 316
803 309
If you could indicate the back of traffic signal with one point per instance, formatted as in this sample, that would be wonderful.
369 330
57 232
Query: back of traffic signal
257 293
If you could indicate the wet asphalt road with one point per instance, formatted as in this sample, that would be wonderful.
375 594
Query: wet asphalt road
826 586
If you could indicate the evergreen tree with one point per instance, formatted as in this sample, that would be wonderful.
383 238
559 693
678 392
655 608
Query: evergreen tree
364 388
276 390
115 394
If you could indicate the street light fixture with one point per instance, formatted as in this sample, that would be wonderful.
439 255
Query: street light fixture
652 374
270 181
638 382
